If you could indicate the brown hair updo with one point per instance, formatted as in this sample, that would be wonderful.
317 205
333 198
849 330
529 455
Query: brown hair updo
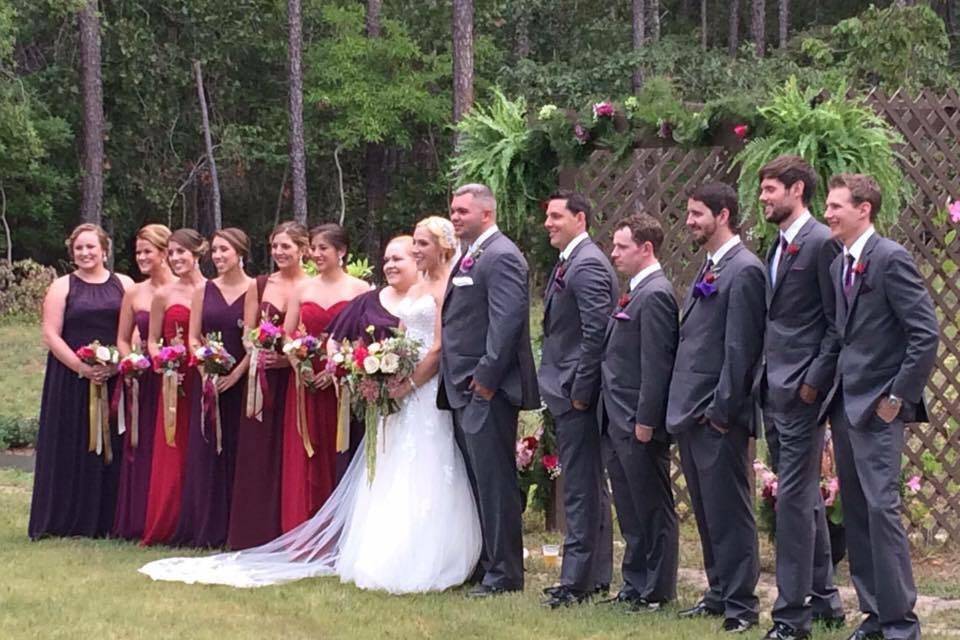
236 238
190 240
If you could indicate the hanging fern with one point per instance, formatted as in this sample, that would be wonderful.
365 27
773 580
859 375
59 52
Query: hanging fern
837 135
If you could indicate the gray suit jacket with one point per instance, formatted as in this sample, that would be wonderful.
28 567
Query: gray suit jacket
721 340
486 329
800 341
888 334
638 358
577 304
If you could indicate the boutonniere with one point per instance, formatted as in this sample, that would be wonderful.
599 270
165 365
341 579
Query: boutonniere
469 261
624 300
793 249
706 287
860 268
558 278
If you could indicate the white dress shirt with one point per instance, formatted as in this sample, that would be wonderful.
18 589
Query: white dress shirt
642 275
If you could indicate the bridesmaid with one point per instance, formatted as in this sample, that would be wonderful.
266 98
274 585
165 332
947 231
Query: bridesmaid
306 481
170 321
255 512
151 254
208 486
371 310
74 490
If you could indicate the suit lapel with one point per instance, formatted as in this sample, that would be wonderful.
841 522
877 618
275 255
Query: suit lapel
786 259
612 322
717 269
456 269
860 277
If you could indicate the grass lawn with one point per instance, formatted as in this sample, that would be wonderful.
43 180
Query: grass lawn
22 360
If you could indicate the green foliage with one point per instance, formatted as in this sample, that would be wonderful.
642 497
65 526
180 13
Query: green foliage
839 135
23 285
360 267
16 431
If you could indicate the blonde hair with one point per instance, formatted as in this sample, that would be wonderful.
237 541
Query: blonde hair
442 230
102 237
295 231
156 234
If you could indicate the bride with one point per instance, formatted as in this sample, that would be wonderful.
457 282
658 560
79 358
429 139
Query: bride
415 527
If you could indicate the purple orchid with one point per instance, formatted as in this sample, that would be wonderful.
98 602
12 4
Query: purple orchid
467 263
704 289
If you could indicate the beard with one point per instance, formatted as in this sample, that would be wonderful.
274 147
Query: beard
778 213
706 232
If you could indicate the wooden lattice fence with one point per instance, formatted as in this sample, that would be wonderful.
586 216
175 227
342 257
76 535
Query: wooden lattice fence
657 179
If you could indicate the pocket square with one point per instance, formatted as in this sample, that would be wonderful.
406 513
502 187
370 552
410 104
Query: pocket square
462 281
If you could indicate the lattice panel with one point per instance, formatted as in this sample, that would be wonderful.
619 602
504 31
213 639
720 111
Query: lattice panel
656 180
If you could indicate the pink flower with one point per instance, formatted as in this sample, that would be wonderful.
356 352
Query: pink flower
603 110
741 131
581 134
954 210
466 264
830 492
914 484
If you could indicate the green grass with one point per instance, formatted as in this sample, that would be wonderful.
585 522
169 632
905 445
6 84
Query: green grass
22 359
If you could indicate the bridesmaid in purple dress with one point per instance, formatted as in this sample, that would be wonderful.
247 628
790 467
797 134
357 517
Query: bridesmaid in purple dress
151 254
255 508
208 485
75 490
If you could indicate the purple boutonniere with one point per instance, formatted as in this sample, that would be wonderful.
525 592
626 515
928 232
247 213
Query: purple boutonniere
706 287
469 261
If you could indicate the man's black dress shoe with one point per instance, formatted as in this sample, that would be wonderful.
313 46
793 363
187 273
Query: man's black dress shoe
565 597
860 634
484 591
783 631
600 590
642 605
830 622
737 625
700 610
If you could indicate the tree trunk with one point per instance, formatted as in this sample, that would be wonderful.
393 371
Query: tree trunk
655 20
91 204
375 182
639 39
703 24
462 28
758 27
208 142
733 37
784 17
6 226
298 154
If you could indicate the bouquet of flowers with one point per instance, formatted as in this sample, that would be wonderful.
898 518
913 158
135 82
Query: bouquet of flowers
127 405
168 362
214 361
369 371
304 349
537 464
266 336
96 354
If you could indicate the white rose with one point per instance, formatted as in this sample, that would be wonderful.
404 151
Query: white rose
338 358
290 346
390 363
374 348
115 356
371 364
103 354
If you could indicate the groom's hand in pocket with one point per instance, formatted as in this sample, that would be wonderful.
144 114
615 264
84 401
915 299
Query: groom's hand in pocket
480 390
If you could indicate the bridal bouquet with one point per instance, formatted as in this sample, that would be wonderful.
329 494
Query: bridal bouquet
366 373
265 337
167 362
303 349
214 361
127 404
96 354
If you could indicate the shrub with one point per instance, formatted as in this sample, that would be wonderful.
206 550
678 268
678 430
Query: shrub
17 431
22 287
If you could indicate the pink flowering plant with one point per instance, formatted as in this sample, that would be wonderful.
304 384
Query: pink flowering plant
537 463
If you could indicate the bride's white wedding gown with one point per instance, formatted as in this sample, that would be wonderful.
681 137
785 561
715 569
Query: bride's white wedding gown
414 528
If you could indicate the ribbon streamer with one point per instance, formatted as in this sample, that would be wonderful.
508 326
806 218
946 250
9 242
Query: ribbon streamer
302 427
254 390
169 398
210 409
343 416
99 429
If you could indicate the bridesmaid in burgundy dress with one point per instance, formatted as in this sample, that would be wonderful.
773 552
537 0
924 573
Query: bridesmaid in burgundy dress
75 490
151 254
208 487
169 321
255 508
308 481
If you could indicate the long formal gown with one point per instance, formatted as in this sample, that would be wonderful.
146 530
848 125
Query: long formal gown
137 460
208 484
169 462
414 528
307 481
255 512
75 491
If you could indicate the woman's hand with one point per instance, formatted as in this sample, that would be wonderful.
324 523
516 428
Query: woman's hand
228 381
98 373
273 360
401 390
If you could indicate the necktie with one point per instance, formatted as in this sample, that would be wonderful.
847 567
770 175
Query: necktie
708 265
848 276
781 259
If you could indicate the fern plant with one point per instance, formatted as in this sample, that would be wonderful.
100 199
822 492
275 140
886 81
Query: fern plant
837 135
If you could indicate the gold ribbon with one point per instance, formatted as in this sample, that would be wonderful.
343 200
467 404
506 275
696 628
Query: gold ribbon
169 398
135 413
343 416
302 427
99 434
254 392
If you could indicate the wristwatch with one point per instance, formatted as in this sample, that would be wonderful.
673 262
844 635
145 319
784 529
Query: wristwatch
894 400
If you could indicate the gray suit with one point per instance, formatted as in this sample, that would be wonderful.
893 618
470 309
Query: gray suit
888 333
638 357
578 300
486 337
800 346
721 340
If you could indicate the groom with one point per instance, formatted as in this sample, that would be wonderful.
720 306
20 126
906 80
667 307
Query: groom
487 376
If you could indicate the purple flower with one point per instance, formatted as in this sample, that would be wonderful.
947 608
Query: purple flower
666 129
603 110
467 263
954 210
270 329
620 315
704 289
914 484
580 133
